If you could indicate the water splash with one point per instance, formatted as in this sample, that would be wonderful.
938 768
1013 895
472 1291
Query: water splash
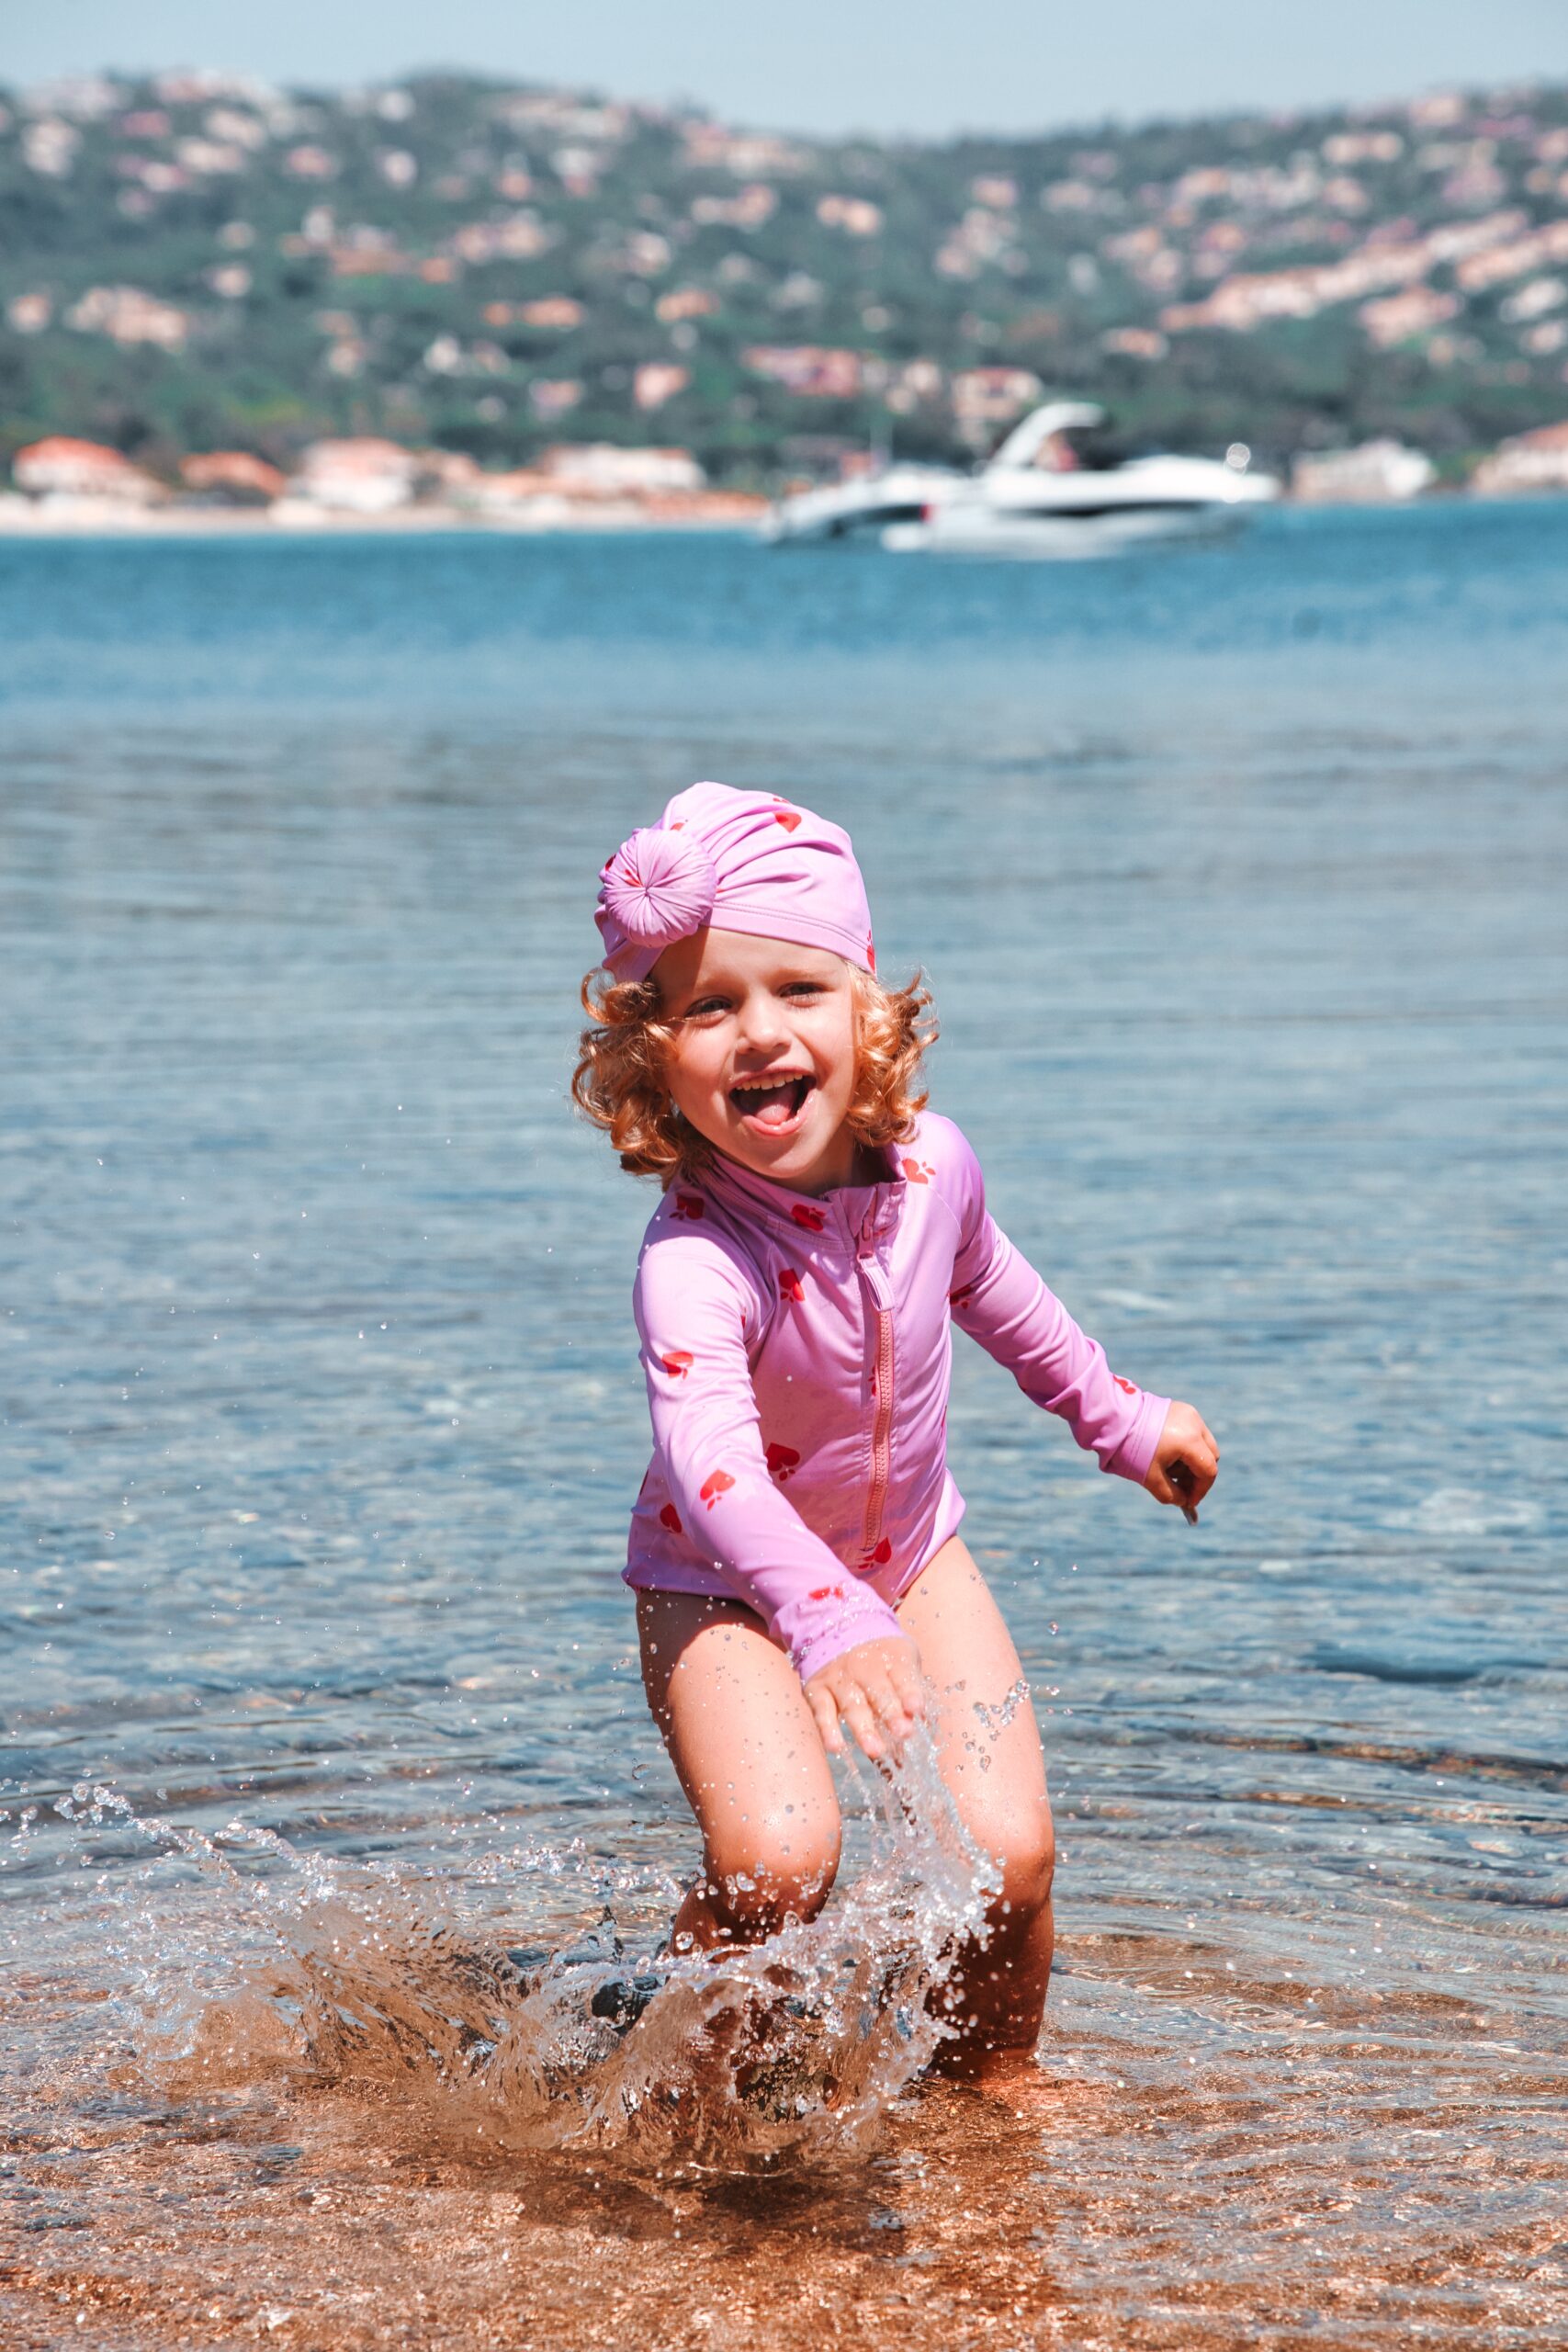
358 1976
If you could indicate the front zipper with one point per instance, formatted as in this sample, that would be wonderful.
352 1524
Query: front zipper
877 1283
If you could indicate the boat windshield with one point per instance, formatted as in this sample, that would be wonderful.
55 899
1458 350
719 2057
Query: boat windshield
1079 449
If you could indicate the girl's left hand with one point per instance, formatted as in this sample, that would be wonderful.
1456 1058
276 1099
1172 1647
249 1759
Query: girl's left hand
1187 1460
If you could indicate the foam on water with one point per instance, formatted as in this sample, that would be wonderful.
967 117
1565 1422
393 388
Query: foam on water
235 1955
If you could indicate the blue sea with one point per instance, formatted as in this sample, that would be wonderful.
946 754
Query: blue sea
1240 875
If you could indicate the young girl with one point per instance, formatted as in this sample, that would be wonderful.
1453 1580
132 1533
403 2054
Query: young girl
794 1547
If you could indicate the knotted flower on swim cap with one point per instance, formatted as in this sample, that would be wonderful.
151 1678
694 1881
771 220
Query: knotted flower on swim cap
658 887
741 861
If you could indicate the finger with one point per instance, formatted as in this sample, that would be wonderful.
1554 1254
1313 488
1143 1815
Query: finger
1180 1489
863 1723
911 1686
824 1713
1202 1467
887 1701
895 1721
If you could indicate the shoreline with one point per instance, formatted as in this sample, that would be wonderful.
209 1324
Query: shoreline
103 519
175 523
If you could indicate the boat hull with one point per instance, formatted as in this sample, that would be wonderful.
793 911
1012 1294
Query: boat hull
1060 537
862 510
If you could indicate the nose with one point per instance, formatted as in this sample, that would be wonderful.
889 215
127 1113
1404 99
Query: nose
761 1027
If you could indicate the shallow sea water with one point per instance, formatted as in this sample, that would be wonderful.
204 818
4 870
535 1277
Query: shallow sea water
1239 875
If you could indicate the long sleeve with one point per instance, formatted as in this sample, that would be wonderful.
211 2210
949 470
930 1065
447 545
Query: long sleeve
696 1311
1004 1305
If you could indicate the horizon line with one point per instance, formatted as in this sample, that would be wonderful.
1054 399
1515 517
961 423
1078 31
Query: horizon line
1368 109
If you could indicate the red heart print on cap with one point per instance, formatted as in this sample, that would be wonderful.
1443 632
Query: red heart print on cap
678 1363
792 1287
671 1517
688 1207
811 1219
787 817
719 1483
781 1460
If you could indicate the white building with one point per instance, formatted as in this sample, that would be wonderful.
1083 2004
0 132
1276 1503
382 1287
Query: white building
598 468
60 468
129 314
1529 461
364 476
1377 474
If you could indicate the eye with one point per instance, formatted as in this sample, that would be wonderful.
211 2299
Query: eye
802 989
706 1007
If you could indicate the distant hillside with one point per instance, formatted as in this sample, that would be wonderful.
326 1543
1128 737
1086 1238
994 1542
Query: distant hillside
199 261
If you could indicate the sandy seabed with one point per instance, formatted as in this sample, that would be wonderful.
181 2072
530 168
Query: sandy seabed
1079 2204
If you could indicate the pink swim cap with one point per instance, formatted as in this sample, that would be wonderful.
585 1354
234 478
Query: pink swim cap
741 861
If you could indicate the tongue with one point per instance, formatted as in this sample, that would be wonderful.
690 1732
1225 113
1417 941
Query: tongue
774 1109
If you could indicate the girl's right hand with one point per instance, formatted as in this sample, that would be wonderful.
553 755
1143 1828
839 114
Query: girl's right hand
876 1689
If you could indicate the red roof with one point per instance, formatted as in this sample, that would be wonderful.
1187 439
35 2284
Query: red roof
231 470
58 446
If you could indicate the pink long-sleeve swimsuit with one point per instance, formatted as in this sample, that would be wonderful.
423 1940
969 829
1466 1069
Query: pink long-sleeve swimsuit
798 1357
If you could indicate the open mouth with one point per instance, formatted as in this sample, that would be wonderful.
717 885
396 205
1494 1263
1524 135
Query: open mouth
772 1105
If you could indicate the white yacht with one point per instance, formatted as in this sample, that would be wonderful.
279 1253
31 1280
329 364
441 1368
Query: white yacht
900 492
1043 494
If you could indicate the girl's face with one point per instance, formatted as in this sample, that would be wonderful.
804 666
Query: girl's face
763 1058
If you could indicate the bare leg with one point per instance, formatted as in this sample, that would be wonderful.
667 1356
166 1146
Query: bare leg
749 1757
751 1760
997 1774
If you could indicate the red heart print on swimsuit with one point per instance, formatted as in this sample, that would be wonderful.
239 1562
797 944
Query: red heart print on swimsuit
919 1171
677 1363
1126 1386
671 1517
718 1483
809 1219
791 1287
961 1295
830 1592
880 1557
781 1460
688 1208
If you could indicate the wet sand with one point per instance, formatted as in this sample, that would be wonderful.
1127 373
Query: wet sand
1084 2209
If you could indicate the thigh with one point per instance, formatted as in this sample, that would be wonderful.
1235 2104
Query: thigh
740 1736
982 1724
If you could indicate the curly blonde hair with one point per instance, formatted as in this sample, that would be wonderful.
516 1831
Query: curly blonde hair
619 1082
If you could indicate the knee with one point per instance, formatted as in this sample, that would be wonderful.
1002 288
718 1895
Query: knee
785 1871
1023 1854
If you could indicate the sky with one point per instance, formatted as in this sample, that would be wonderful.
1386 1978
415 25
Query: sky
923 67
